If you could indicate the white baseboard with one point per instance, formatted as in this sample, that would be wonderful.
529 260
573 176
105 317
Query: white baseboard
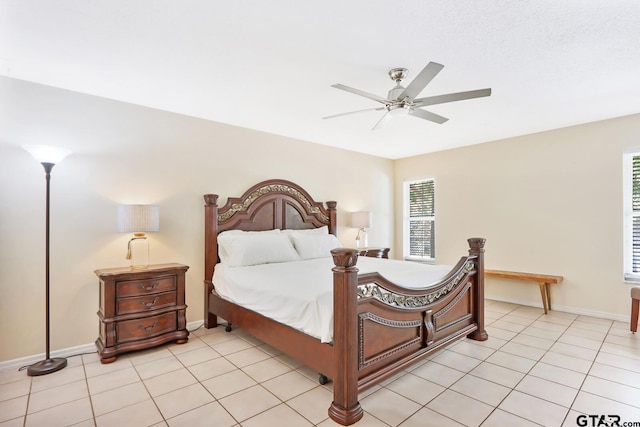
67 352
30 360
563 308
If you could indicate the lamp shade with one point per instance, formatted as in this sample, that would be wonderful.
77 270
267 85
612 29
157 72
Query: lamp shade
361 219
47 154
138 218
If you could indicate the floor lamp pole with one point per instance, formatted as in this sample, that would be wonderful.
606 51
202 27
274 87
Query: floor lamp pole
48 365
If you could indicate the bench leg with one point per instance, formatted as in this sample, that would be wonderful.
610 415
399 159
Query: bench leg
635 309
544 297
547 289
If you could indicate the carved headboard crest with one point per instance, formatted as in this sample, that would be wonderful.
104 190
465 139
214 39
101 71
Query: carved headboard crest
282 188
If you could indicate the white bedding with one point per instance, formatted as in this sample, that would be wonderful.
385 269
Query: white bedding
300 293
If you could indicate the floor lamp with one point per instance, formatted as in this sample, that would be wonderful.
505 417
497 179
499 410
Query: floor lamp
48 157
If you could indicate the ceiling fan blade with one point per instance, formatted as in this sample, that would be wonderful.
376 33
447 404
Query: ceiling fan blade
427 116
426 75
353 112
384 119
452 97
360 92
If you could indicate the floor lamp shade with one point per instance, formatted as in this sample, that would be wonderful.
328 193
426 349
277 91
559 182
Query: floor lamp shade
48 157
47 154
138 219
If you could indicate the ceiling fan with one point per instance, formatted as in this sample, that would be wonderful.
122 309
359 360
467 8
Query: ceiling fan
402 101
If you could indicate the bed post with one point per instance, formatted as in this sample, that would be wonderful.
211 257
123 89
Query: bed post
210 254
345 408
476 248
331 209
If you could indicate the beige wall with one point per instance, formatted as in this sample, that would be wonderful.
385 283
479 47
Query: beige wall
124 153
532 197
546 203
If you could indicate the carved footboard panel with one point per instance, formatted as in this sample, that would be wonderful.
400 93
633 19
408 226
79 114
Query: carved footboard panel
381 328
397 326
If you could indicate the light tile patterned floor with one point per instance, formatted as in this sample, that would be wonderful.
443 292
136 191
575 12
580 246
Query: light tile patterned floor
535 369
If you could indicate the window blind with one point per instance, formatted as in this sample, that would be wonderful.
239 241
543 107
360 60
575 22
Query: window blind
635 207
422 219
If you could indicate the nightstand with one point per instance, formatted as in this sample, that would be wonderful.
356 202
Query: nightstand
375 252
140 309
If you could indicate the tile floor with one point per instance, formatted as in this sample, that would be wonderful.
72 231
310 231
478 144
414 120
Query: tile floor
535 369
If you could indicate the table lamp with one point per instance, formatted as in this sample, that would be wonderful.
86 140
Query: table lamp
138 219
362 221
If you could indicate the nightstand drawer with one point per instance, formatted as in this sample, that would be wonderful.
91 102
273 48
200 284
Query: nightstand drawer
145 287
143 303
134 330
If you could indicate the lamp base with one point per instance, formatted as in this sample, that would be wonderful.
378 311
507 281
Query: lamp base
138 251
46 366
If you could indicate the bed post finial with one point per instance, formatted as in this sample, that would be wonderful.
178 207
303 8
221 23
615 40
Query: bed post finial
476 245
345 408
211 199
344 257
476 248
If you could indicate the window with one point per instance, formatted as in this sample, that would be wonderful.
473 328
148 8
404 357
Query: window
632 217
419 220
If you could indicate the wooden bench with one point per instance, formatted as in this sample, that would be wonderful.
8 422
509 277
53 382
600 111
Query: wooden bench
543 281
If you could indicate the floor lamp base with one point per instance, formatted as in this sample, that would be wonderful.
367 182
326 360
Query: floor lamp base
46 366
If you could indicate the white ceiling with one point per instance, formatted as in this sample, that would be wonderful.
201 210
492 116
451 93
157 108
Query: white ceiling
268 65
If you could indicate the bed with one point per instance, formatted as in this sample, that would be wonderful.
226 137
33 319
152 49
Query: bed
379 327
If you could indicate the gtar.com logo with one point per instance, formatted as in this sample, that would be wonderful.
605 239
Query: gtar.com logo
604 421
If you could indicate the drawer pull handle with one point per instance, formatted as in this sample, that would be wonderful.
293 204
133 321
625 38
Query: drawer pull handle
149 304
148 288
148 328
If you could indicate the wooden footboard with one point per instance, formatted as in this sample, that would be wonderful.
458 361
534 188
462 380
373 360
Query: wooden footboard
381 328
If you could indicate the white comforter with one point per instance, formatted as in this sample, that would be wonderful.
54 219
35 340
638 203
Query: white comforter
300 293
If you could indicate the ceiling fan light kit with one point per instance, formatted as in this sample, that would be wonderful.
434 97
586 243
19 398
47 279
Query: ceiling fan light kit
401 101
399 111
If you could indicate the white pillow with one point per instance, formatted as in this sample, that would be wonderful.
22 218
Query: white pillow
312 245
304 231
224 240
252 248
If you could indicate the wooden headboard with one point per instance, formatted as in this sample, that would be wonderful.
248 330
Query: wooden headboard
268 205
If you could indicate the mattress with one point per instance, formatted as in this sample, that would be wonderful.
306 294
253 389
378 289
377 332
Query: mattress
300 293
